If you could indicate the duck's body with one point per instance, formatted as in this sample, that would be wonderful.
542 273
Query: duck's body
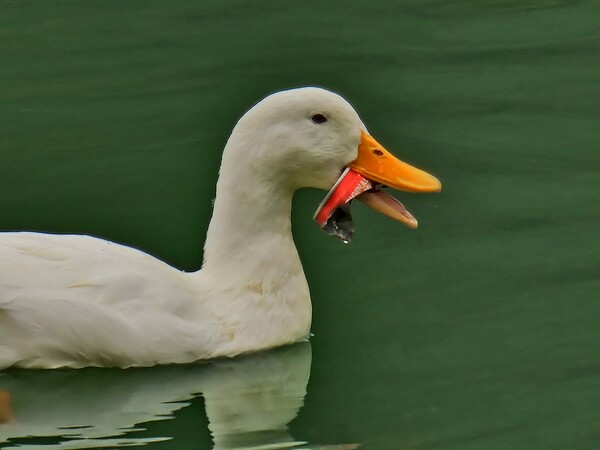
76 301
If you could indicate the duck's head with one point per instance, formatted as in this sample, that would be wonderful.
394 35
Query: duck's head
311 137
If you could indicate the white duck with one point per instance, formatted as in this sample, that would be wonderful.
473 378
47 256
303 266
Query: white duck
76 301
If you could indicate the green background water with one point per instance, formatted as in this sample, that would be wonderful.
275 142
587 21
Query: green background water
479 330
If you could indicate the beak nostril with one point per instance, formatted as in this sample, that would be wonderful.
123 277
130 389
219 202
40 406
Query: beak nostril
377 152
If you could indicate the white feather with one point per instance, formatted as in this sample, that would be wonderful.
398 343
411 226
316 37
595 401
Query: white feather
75 301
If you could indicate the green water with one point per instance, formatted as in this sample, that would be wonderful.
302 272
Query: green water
477 331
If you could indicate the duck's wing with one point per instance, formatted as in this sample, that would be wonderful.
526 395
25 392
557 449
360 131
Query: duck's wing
60 332
77 301
36 262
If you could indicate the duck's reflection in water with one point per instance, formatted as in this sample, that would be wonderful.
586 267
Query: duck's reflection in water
249 402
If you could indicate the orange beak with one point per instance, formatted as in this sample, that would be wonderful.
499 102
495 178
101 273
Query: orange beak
363 179
377 164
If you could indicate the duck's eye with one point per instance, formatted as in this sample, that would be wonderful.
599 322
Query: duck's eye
319 118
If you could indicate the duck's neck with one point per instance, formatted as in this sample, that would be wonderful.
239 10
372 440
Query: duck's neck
251 266
250 228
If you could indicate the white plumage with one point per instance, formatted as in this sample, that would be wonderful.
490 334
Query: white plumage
76 301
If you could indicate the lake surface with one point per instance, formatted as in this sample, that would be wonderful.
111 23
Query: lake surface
477 331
